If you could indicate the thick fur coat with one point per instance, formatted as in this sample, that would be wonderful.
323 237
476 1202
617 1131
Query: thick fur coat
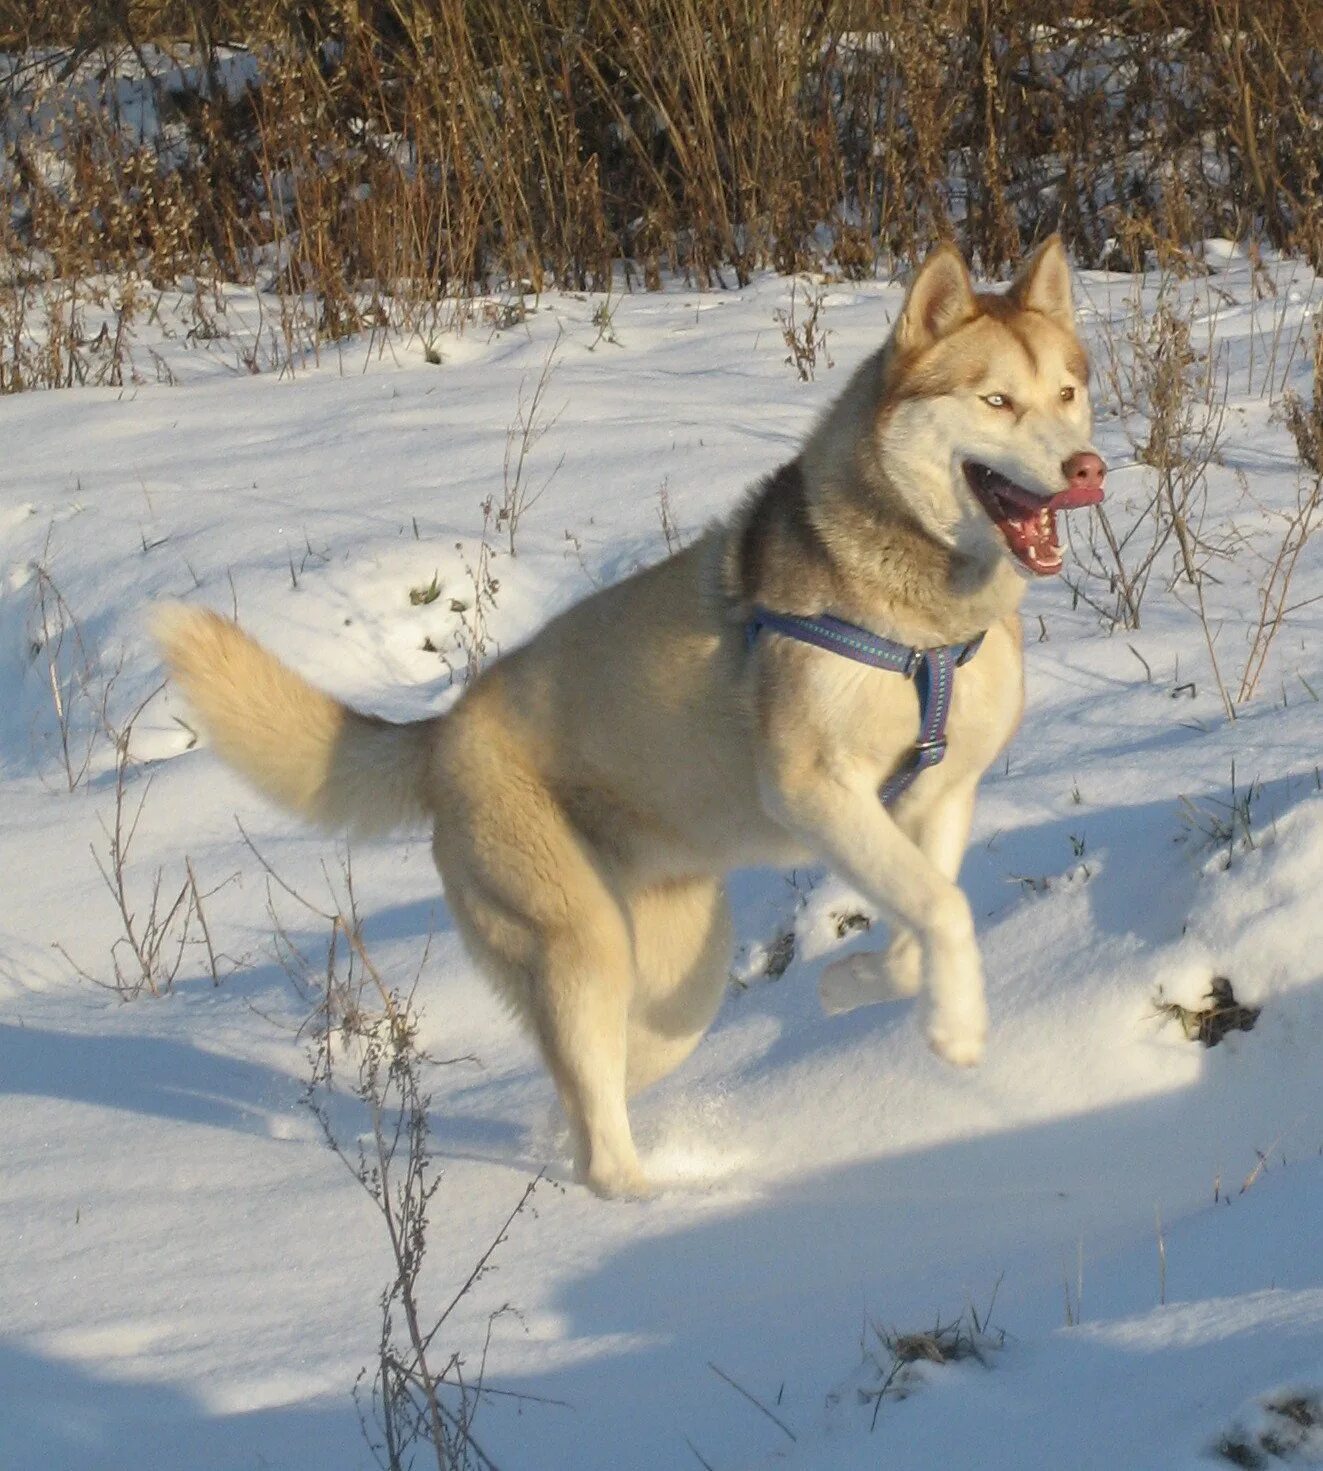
592 788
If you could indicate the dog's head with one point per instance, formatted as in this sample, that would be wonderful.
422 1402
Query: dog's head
984 421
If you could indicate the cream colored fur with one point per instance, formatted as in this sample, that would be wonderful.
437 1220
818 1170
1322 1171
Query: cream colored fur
304 750
592 788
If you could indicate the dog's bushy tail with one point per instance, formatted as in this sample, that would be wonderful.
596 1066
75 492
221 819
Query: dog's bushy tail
314 755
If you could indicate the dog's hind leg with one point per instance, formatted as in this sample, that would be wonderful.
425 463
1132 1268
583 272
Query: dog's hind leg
580 1011
682 950
542 922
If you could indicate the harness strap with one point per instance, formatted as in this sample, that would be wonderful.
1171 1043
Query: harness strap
932 670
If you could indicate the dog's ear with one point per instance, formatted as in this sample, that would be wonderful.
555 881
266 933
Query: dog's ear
1043 284
940 299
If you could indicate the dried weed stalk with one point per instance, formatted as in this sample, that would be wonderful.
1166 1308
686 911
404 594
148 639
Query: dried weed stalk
1177 391
1305 421
803 335
671 533
157 931
1219 823
529 425
422 1398
380 169
80 695
473 636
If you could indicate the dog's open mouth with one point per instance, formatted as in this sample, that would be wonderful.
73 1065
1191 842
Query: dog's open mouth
1027 521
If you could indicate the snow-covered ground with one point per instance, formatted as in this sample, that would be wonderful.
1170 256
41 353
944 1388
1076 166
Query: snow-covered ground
191 1279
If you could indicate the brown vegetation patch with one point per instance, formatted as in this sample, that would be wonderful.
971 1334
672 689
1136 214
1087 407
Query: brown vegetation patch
1209 1024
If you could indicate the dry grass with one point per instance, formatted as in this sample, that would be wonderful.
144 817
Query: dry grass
801 331
1222 823
1275 605
80 689
1291 1433
1169 382
417 1404
1210 1023
1162 370
896 1360
373 166
157 933
381 169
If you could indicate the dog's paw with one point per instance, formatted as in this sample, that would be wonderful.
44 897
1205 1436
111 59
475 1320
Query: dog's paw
960 1049
904 966
868 978
958 1035
620 1184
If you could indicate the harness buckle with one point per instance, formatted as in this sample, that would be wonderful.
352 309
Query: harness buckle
932 671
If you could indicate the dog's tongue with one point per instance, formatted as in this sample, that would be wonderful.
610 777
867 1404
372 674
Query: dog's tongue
1064 500
1077 495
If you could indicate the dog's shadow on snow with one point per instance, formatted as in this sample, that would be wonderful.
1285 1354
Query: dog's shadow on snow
1137 889
1138 876
717 1271
715 1277
778 1290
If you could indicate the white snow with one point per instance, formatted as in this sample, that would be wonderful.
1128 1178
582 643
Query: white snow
190 1277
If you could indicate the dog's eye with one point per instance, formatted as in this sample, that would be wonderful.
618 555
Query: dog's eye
998 401
1067 395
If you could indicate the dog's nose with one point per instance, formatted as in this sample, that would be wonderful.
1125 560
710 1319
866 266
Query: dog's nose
1084 471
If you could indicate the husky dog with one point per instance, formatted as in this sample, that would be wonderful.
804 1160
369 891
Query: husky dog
591 789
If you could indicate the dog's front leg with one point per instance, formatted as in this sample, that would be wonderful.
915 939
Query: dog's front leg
867 977
835 807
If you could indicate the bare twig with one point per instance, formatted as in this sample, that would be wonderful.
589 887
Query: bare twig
523 434
755 1401
1305 422
417 1398
156 931
803 337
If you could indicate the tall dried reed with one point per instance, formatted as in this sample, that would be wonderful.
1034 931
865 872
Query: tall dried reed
377 160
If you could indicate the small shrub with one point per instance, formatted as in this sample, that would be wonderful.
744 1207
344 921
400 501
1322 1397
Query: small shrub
1210 1024
425 593
895 1361
420 1398
157 932
802 334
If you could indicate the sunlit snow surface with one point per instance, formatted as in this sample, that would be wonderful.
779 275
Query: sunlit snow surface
191 1279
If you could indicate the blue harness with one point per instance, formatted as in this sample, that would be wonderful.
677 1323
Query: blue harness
932 670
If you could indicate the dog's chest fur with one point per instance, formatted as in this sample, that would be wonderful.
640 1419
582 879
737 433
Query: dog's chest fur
809 548
863 722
